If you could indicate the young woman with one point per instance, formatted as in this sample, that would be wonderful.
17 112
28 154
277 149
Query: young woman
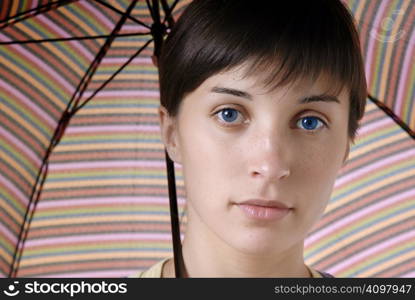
259 104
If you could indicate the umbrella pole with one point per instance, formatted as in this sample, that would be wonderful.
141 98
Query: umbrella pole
174 216
158 29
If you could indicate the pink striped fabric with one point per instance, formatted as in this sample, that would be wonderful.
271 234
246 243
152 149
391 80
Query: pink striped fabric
103 211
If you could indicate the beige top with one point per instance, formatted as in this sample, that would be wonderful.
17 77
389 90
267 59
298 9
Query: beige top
155 271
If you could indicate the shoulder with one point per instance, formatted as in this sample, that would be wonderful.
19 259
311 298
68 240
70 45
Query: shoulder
154 271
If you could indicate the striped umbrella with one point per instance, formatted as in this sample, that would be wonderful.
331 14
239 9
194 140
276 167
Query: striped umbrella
83 182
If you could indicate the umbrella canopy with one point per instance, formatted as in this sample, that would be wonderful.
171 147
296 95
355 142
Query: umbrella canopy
103 208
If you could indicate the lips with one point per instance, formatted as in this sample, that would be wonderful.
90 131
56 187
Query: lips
264 210
265 203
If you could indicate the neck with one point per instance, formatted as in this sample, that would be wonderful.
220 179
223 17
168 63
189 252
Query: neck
207 255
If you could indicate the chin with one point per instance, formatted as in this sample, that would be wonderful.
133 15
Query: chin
258 245
260 250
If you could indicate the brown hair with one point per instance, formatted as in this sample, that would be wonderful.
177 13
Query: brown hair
287 40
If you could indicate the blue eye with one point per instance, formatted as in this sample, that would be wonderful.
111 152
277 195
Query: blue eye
310 123
227 115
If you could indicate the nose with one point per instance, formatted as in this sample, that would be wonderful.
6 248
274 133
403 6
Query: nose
269 159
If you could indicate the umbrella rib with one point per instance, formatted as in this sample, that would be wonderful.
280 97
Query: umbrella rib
75 110
394 117
60 129
28 14
24 228
73 38
168 13
94 65
120 12
150 8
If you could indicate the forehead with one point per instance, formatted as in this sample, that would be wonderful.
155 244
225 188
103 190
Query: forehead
240 77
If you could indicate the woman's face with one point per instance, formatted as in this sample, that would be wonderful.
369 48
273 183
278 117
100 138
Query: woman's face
235 142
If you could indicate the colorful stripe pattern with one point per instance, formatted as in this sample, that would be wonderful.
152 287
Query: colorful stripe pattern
387 30
12 11
104 208
368 227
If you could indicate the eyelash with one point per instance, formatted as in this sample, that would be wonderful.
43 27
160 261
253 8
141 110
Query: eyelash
324 124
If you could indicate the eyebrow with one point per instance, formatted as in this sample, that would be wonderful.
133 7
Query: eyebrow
245 95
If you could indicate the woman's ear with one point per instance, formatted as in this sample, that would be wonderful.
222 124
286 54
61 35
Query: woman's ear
169 135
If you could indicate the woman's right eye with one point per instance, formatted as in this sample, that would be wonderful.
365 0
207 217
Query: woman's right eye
228 115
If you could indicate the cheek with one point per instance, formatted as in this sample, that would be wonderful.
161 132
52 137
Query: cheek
323 155
316 173
208 148
206 163
318 168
